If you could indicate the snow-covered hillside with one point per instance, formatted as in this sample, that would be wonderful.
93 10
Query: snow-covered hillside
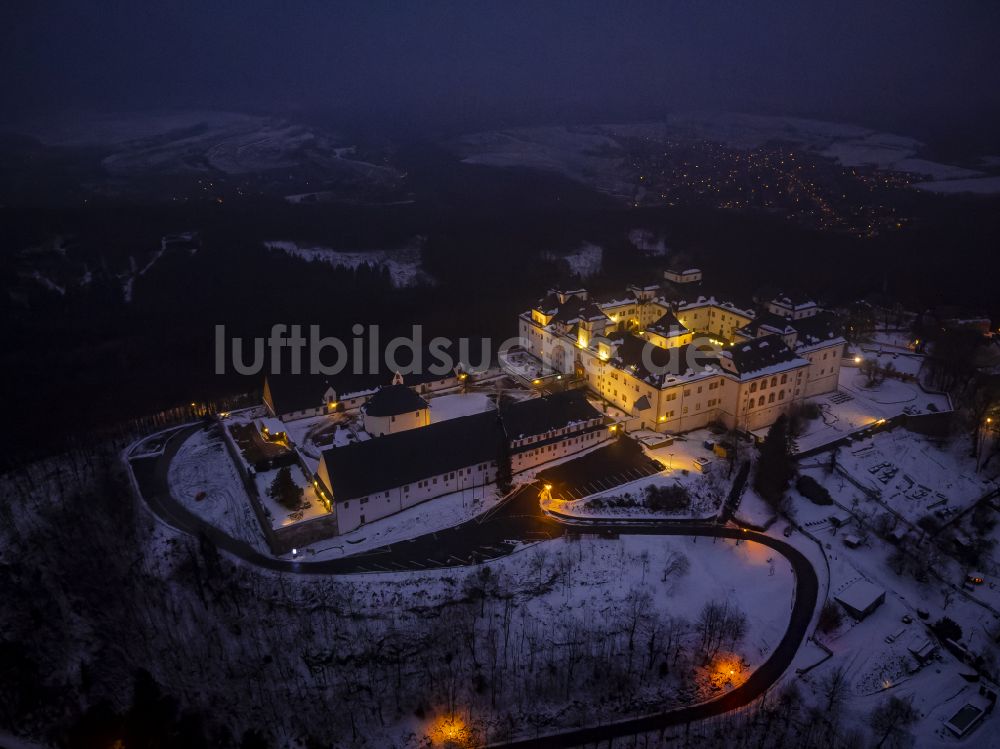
403 263
596 154
204 141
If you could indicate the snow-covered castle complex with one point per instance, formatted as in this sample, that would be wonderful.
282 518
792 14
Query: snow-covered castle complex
675 357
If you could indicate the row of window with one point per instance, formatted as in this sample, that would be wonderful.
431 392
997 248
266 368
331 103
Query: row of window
552 447
770 399
552 433
427 482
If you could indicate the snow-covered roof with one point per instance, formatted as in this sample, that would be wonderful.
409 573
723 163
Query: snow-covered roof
765 355
860 595
271 425
793 300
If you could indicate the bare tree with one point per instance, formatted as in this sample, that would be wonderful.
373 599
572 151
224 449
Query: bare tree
891 720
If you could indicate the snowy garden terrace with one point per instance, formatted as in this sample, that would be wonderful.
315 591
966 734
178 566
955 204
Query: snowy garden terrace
856 406
685 462
287 519
528 369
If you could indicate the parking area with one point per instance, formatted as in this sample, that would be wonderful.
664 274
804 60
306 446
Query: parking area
603 469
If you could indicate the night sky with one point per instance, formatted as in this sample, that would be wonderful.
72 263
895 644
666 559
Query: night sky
410 64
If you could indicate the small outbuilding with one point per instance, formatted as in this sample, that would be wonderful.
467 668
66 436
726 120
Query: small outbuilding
963 721
272 429
922 649
860 598
852 540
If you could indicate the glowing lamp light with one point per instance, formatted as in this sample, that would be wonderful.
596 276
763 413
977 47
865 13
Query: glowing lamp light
450 731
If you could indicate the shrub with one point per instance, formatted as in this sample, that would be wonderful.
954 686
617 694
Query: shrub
814 491
285 491
830 617
667 498
947 629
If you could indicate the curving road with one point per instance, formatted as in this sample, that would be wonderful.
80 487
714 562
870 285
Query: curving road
806 595
494 534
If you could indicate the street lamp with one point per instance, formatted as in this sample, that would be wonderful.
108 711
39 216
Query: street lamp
982 442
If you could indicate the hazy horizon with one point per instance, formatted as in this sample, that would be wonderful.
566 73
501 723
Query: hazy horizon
925 71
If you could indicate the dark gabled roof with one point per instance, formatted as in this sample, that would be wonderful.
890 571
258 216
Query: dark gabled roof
761 353
668 324
765 319
549 304
816 329
667 363
698 295
793 298
643 404
568 313
615 299
576 310
645 286
540 415
393 400
591 311
377 465
291 393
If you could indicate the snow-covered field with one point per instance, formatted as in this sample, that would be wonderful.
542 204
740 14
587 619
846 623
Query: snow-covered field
203 465
911 474
403 264
648 242
585 261
979 185
194 141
